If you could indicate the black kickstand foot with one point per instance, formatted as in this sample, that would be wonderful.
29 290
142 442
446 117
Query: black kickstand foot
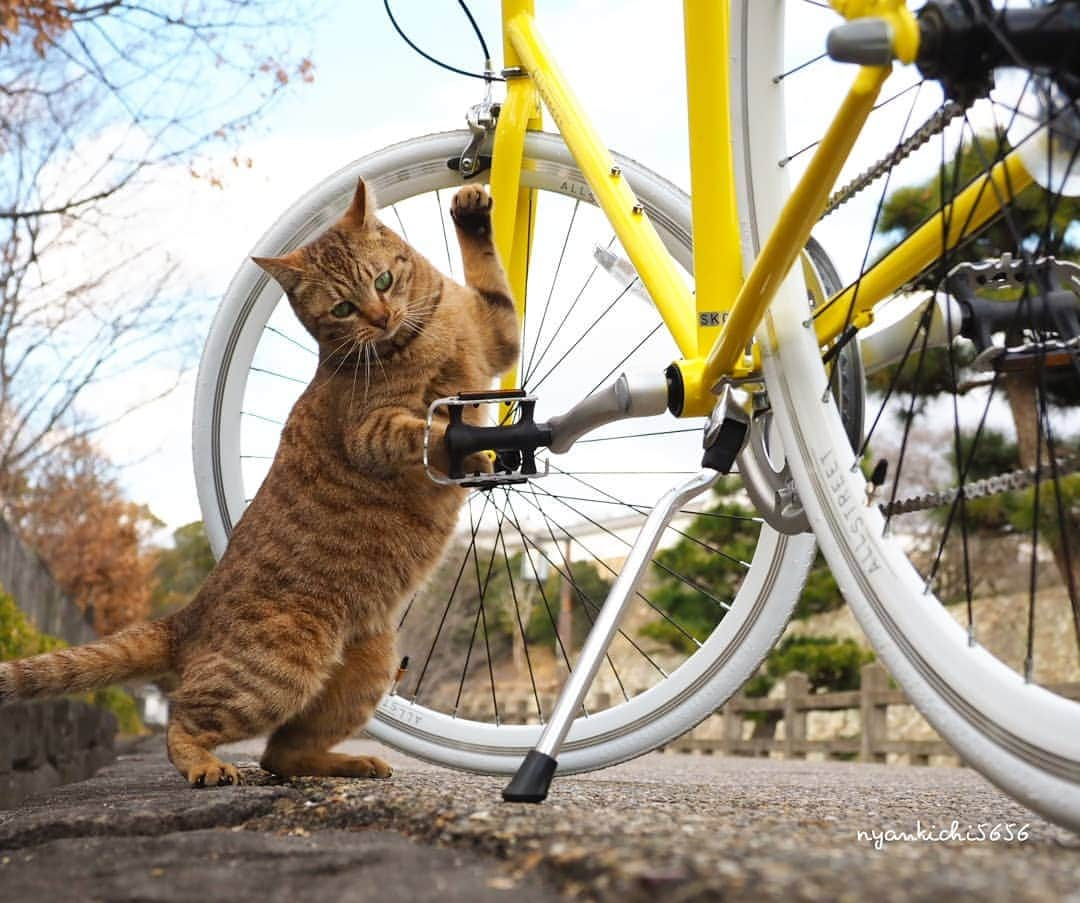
533 778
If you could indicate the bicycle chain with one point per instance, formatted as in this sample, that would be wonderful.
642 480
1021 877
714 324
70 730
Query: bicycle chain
1004 482
933 126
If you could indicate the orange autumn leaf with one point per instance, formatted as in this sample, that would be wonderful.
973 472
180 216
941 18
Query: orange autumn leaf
95 541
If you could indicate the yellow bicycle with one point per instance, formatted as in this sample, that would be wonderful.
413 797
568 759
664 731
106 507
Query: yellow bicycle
900 386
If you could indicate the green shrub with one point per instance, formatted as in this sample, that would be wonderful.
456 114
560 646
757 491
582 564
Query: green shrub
828 662
759 685
19 638
820 592
121 704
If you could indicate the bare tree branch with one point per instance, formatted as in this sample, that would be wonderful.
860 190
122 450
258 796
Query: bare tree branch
96 101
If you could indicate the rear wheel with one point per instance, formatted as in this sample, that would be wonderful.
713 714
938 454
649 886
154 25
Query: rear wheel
492 635
962 569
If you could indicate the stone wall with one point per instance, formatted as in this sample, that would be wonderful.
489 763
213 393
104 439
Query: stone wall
25 577
43 744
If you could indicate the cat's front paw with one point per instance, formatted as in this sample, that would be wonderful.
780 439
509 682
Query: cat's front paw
477 463
471 210
213 773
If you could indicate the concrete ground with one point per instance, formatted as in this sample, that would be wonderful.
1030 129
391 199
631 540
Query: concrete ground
664 827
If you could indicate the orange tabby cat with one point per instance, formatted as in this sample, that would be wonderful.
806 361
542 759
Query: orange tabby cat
293 632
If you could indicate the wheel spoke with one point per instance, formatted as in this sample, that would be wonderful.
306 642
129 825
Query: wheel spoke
540 584
292 379
682 578
692 429
288 338
537 359
445 237
501 540
588 602
779 78
551 291
603 379
446 611
637 510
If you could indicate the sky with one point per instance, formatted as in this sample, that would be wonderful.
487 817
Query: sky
623 57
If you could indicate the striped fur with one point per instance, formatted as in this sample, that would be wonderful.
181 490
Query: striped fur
293 632
140 652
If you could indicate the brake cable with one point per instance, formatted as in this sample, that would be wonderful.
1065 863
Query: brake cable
488 75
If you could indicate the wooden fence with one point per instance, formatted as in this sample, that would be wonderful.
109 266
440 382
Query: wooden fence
872 701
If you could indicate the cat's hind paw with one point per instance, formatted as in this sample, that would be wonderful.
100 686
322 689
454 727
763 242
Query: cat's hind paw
362 767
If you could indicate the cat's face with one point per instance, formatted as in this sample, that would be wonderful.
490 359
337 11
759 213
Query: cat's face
351 286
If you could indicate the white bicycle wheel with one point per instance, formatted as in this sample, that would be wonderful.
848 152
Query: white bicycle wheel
254 356
999 705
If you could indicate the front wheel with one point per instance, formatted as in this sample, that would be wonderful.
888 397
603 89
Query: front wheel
962 568
493 633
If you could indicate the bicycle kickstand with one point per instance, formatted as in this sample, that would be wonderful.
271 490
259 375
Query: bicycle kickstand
725 435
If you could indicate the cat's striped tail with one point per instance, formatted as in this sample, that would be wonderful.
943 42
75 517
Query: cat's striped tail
139 652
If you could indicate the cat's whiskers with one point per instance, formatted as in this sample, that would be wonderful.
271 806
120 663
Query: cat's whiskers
419 313
378 361
430 296
427 328
415 308
367 369
433 333
344 357
357 345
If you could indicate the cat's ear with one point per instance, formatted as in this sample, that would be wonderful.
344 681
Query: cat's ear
361 212
285 270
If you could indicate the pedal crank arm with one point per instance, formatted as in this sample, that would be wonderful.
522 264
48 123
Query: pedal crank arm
631 395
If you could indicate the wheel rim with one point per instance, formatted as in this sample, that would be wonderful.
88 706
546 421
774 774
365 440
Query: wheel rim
554 340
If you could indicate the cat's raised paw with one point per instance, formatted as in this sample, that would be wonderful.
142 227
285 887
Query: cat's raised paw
216 774
471 210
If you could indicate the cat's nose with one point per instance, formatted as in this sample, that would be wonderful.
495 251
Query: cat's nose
381 320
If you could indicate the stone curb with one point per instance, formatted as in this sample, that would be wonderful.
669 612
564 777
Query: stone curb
44 744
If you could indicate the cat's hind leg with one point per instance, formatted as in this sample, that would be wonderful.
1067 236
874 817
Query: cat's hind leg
302 745
226 696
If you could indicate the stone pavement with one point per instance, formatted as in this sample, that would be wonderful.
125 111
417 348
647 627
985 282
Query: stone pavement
662 828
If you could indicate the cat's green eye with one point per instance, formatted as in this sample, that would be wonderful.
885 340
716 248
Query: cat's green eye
343 309
383 281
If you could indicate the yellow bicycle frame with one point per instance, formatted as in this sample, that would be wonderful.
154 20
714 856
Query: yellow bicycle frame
714 326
